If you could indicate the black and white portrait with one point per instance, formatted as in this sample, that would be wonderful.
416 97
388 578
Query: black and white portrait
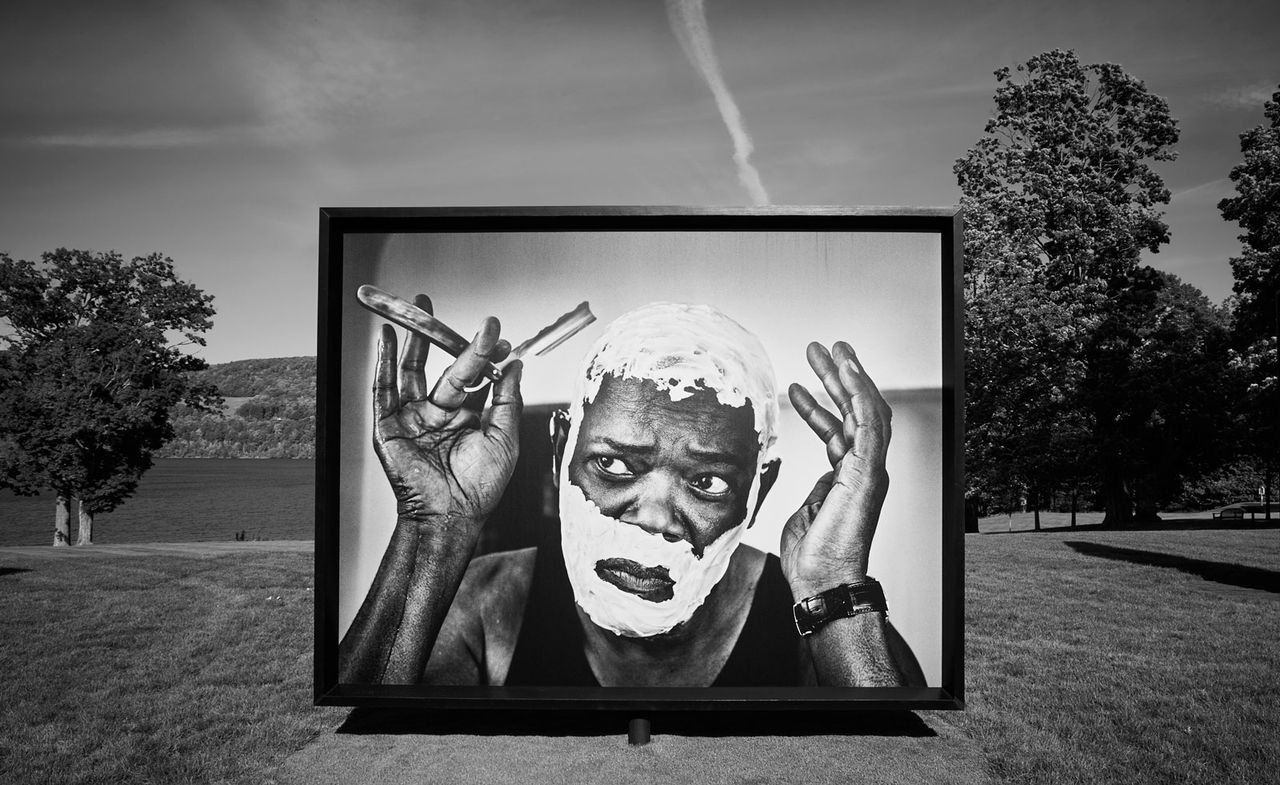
754 419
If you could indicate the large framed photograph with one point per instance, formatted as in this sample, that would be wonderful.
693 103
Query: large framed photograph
640 458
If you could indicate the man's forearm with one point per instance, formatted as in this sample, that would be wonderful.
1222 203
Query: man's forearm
392 634
855 652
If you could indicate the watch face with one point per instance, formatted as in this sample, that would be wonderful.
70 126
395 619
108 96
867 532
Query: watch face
844 600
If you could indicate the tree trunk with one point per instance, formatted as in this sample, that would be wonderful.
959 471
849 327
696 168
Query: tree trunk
85 535
970 516
1074 493
1267 488
61 522
1116 501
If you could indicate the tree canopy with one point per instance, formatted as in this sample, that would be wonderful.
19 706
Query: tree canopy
1256 207
1064 328
1064 171
93 364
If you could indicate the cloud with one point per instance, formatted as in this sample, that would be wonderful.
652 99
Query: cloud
142 139
287 72
1208 192
317 66
1247 97
689 23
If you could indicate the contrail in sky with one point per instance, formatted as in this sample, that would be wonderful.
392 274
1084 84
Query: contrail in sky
689 22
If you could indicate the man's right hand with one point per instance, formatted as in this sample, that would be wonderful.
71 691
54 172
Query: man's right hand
446 461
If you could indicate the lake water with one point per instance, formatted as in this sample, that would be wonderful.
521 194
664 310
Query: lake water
187 500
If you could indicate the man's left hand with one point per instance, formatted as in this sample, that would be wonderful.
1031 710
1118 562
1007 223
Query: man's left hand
827 541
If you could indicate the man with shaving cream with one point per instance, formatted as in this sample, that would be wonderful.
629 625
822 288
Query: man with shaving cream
662 462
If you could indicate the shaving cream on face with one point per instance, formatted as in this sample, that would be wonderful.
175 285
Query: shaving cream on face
589 537
681 349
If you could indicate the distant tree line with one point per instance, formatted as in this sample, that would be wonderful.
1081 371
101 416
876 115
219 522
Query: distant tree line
270 412
1092 380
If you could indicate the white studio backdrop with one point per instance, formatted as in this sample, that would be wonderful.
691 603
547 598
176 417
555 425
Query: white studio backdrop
879 291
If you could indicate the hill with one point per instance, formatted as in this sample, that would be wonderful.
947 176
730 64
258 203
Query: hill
269 411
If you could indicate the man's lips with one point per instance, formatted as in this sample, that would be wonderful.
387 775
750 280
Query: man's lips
648 583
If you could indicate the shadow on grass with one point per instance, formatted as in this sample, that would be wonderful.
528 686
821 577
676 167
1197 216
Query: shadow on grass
1218 572
12 571
613 723
1202 524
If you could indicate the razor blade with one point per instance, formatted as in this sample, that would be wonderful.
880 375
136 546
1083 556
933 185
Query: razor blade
413 318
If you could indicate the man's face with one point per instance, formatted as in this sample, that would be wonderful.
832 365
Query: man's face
653 503
682 469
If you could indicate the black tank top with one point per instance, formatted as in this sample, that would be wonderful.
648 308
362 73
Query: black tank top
549 651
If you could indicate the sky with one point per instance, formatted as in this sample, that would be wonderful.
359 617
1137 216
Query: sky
215 131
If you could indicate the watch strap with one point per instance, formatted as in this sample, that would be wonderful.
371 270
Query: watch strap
847 599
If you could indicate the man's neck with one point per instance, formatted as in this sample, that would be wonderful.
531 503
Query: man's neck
693 653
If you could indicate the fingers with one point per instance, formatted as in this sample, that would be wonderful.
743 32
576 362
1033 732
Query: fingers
820 490
502 420
451 391
476 400
868 427
826 425
385 397
865 424
822 364
798 525
413 380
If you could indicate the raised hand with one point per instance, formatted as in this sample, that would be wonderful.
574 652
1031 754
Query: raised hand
445 456
828 540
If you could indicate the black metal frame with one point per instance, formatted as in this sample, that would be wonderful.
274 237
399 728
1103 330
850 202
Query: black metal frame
335 223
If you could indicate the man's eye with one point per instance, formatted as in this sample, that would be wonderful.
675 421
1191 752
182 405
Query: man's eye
711 484
612 466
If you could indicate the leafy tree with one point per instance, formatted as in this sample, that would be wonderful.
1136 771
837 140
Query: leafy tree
1060 199
1021 383
1157 386
1256 207
93 366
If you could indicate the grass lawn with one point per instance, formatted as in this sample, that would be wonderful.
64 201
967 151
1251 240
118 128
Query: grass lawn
155 669
1085 663
1089 669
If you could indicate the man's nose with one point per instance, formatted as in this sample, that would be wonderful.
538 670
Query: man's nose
654 507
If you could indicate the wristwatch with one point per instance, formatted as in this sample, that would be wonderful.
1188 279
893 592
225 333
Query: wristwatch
847 599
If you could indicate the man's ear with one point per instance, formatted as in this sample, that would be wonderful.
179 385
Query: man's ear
559 428
768 476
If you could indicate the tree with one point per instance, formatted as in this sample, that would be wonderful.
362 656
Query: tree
1021 382
1256 207
92 368
1060 199
1157 388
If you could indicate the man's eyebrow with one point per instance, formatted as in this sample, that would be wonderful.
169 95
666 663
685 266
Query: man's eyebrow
621 446
713 455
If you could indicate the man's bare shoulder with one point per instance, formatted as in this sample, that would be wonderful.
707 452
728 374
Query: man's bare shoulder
480 631
495 577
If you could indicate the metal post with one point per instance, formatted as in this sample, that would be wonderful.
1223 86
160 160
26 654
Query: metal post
638 732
